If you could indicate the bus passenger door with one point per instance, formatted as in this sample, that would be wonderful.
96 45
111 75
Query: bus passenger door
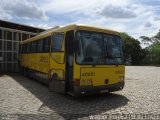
57 64
69 60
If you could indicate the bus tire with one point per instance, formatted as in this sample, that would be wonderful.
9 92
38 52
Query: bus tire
49 85
26 72
21 70
51 82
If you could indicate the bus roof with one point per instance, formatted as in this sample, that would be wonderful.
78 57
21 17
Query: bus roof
67 28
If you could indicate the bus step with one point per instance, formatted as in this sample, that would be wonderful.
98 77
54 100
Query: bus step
70 93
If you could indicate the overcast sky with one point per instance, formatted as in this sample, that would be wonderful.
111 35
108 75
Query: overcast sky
136 17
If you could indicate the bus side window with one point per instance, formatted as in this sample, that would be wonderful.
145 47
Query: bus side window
40 45
28 47
20 49
33 47
24 48
36 46
46 44
57 41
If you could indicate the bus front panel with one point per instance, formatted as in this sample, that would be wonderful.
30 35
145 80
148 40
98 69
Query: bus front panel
99 65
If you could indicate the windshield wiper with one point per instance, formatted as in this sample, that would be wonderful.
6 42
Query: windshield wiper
114 58
106 56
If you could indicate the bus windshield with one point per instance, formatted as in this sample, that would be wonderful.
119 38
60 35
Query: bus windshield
98 48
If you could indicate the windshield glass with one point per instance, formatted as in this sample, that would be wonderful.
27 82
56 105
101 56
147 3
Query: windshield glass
98 48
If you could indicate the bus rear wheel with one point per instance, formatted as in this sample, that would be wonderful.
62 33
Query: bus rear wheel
25 72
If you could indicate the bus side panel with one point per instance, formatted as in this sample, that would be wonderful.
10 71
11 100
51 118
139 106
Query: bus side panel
36 61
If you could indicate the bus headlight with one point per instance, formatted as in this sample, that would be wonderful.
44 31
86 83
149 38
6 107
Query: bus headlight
121 78
85 82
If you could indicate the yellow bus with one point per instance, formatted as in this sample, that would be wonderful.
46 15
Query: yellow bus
76 59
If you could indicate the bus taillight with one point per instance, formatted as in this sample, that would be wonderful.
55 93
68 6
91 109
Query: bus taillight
77 82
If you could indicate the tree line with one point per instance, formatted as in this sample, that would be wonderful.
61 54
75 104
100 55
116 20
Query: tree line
134 54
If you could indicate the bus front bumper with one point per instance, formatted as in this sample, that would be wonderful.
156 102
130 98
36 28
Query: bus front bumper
91 90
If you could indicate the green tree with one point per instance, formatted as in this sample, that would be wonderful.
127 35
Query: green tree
132 49
153 47
156 38
151 40
146 40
